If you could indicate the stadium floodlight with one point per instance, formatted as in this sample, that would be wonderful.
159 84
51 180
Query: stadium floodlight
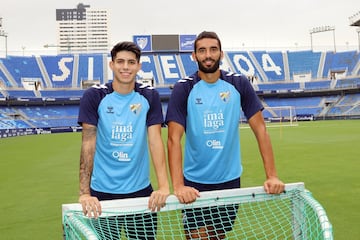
355 19
358 32
3 34
355 22
322 29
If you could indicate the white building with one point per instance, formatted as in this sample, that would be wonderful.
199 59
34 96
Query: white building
82 30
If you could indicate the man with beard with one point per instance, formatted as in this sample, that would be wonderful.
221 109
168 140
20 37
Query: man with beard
207 107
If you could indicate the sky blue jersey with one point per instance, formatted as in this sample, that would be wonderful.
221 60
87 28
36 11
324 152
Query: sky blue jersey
210 114
121 161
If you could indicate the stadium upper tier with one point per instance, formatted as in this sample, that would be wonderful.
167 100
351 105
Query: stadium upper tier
267 70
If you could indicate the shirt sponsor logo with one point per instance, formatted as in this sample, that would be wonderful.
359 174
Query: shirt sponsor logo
213 121
122 133
121 156
214 144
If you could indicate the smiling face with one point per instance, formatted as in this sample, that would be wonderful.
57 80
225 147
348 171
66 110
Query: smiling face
125 67
208 55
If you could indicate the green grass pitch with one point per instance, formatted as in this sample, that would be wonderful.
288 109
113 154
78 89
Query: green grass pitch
39 173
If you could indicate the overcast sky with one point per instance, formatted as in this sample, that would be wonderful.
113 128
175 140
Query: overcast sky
251 24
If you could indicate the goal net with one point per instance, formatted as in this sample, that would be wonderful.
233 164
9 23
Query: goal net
284 115
294 214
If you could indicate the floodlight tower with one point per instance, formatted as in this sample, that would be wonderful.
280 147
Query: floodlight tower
355 22
322 29
3 34
358 32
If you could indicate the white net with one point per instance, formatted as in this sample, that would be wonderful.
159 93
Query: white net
247 213
284 115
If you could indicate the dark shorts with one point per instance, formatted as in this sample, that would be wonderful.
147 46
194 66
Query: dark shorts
220 217
136 226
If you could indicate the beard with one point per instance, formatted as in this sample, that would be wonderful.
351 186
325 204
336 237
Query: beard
211 69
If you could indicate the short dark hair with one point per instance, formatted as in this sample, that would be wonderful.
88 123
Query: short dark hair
126 46
206 34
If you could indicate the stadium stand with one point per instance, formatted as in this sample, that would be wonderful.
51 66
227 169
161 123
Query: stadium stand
340 62
44 91
303 105
318 85
304 62
20 69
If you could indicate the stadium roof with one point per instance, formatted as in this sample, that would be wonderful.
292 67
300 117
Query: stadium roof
355 19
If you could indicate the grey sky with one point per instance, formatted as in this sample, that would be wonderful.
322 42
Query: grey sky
252 24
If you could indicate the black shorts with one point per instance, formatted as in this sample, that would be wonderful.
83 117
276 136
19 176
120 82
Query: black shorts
136 226
146 192
220 217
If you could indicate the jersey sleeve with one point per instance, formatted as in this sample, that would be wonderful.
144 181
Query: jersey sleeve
250 102
89 103
155 114
177 106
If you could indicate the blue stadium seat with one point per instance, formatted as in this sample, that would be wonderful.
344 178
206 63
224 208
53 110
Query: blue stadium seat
22 68
317 85
62 76
169 68
301 62
340 61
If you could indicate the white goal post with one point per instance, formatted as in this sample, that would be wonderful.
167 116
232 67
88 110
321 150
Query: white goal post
294 214
284 115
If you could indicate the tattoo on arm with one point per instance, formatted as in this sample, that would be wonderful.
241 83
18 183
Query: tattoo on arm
87 158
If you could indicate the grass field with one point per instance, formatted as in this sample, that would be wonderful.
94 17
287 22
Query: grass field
39 173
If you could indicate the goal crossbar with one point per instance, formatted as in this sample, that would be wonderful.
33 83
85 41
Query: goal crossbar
293 214
281 115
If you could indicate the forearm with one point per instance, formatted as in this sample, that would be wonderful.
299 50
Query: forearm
175 134
161 174
157 151
267 155
175 163
258 126
158 158
86 159
272 185
184 193
86 167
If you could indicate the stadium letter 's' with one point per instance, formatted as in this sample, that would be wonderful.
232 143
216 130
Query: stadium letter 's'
64 69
